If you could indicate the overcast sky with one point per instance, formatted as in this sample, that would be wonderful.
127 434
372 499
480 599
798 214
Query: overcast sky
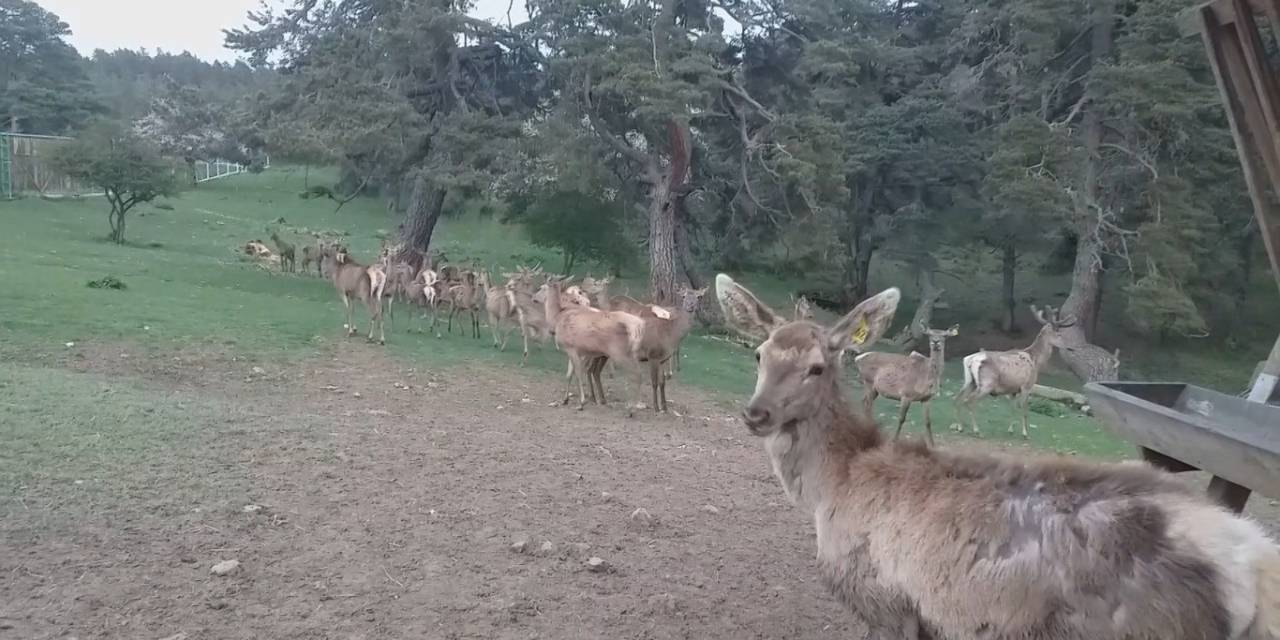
180 25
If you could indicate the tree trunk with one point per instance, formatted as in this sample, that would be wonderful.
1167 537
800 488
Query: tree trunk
1086 360
860 278
913 335
855 235
420 219
1009 269
662 242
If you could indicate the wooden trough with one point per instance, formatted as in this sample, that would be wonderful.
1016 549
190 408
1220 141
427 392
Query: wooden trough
1181 427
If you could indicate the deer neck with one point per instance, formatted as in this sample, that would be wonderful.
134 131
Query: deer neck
551 306
1041 348
807 454
936 362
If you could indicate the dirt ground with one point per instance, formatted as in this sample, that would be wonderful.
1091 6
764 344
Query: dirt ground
387 502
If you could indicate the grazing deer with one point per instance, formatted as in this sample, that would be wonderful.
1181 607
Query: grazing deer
910 378
354 280
1011 373
928 544
286 253
590 337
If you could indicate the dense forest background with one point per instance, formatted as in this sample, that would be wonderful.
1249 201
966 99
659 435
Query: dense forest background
834 143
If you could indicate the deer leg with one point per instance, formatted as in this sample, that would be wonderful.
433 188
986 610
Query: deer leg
903 405
596 367
655 372
869 396
928 423
662 392
346 302
1025 400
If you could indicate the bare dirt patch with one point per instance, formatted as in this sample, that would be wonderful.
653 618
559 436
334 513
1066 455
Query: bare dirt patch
385 502
363 498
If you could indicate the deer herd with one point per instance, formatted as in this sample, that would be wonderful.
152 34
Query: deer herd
920 543
591 327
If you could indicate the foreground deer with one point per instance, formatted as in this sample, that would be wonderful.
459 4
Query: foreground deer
354 280
907 379
925 544
1011 373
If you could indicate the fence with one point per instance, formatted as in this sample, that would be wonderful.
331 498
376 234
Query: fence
25 168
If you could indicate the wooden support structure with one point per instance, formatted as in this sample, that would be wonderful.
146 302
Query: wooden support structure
1251 95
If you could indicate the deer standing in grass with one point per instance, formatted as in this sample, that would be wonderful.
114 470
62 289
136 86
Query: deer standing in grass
590 337
286 253
907 379
1011 373
926 544
662 337
356 281
498 308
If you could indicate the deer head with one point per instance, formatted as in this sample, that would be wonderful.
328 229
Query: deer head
939 336
803 309
1052 323
687 300
799 361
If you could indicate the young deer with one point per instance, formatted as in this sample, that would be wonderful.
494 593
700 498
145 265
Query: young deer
354 280
467 296
590 337
928 544
1010 373
910 378
286 253
662 337
312 254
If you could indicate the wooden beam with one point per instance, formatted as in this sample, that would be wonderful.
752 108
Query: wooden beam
1248 127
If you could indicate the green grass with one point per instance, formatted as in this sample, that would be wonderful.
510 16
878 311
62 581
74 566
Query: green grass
185 283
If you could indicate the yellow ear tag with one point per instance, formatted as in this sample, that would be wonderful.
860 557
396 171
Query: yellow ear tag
860 334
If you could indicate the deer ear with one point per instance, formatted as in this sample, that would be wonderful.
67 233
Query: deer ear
868 321
743 311
954 330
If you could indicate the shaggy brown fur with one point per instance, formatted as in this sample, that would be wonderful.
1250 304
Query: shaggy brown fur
925 544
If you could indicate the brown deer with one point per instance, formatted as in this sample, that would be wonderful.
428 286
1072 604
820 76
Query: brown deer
590 337
286 253
1011 373
498 308
907 379
354 280
928 544
662 337
466 297
312 254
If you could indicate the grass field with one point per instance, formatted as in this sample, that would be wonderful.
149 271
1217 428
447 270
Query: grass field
187 284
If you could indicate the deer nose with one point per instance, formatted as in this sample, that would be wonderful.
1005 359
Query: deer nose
755 415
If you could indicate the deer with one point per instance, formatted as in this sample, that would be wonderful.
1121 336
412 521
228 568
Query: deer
926 544
906 378
466 296
1011 373
662 337
312 253
529 304
354 280
286 251
499 310
590 337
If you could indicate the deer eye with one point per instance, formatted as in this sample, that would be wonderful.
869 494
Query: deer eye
757 356
816 370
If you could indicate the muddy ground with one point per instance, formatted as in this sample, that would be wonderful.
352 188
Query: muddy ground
364 499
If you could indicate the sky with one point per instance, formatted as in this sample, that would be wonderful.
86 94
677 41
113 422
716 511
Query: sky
181 25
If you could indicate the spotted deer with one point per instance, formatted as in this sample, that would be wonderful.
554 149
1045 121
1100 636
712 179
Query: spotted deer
926 544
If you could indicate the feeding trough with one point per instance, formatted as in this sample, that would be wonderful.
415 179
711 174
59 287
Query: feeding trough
1182 427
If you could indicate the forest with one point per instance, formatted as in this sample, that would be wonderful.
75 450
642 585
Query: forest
812 139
